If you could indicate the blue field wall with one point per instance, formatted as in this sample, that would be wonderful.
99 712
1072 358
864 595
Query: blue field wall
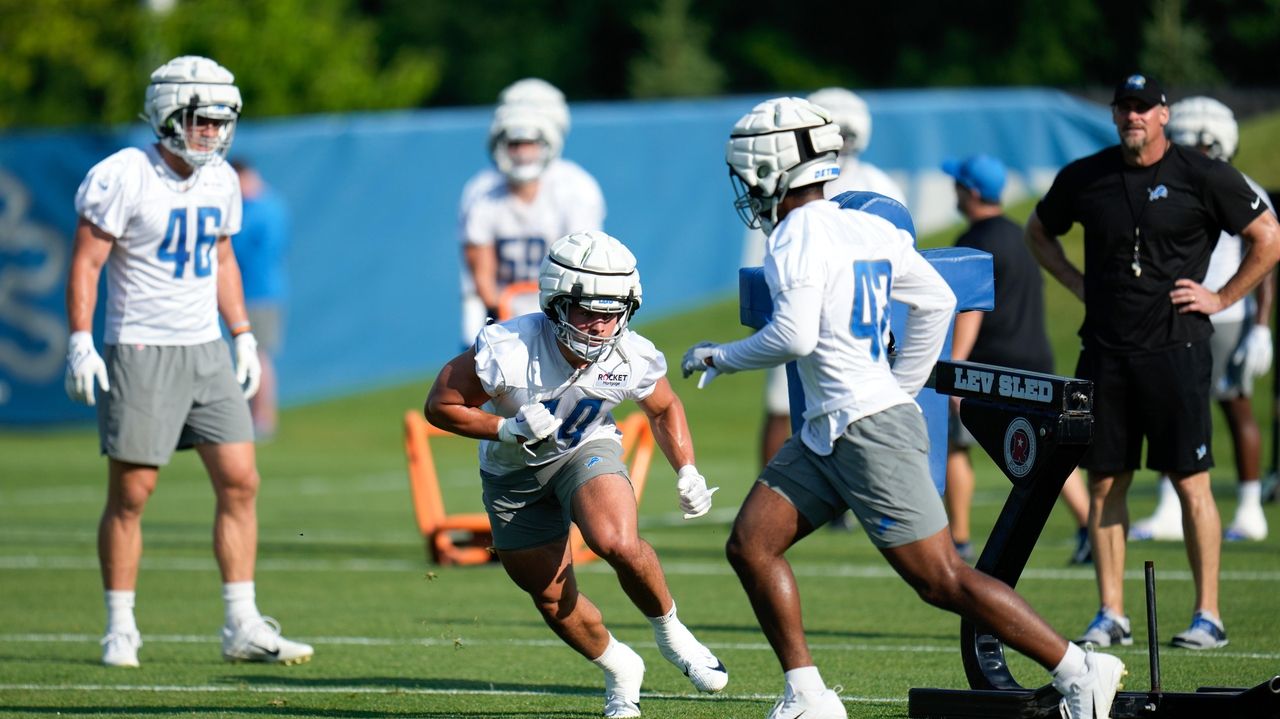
374 261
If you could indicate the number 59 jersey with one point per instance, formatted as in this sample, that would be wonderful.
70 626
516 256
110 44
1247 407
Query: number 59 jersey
162 273
519 361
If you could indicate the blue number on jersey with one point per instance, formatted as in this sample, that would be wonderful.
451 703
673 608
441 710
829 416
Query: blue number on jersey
208 222
174 246
175 234
872 281
578 420
519 259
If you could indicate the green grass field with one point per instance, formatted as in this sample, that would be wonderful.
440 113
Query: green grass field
341 565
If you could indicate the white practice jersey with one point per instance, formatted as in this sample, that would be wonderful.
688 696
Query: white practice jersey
1226 259
569 200
519 361
162 274
856 175
851 263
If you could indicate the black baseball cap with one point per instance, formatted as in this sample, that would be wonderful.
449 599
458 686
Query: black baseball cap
1141 88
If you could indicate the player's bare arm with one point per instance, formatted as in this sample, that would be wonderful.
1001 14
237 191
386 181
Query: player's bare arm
1049 253
482 261
454 401
1262 238
230 287
670 426
88 256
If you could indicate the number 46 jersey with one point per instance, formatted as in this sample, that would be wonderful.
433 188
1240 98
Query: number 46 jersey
519 361
163 270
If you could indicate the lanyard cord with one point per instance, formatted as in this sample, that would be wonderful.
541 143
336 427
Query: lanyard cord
1136 265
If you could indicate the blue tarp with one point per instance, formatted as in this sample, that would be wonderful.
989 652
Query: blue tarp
374 257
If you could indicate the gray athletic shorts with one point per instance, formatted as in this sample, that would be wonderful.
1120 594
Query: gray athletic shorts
531 507
879 468
164 398
267 323
1229 379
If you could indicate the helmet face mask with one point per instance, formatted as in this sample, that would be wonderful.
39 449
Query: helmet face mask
523 142
1206 124
584 276
192 105
782 143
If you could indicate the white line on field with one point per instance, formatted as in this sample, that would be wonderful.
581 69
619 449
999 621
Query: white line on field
836 571
356 689
462 642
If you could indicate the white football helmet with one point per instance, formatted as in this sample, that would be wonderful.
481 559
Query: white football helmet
1203 122
192 104
541 95
523 124
849 112
596 272
782 143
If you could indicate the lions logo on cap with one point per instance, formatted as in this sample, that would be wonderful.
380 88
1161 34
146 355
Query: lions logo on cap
1135 82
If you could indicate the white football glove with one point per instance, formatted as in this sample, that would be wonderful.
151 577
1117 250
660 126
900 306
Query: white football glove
248 366
695 360
695 498
532 424
1254 353
84 368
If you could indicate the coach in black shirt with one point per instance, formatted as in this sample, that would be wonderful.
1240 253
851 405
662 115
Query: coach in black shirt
1152 212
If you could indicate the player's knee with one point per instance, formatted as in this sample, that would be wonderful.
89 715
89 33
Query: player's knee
616 547
941 587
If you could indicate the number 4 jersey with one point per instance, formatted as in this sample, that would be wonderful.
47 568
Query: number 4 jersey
519 361
163 270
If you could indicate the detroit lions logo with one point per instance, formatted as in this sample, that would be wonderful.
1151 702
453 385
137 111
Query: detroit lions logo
592 462
1135 82
1156 193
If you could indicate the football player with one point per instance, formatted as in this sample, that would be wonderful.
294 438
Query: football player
159 218
832 273
511 211
850 113
538 392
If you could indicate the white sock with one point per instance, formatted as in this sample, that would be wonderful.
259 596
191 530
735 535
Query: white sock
667 627
1168 504
120 610
616 659
805 679
239 598
1072 663
1250 494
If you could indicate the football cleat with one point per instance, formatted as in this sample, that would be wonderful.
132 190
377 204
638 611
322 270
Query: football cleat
1084 548
120 649
1107 629
1161 527
1206 632
825 704
1089 695
259 640
705 672
1250 525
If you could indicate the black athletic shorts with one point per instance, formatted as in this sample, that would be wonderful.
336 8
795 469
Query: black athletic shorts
1163 396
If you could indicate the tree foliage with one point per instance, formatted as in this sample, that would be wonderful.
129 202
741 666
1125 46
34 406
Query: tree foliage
85 61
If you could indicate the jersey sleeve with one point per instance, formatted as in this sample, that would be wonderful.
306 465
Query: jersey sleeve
235 206
790 261
650 363
108 195
495 347
1233 202
931 303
